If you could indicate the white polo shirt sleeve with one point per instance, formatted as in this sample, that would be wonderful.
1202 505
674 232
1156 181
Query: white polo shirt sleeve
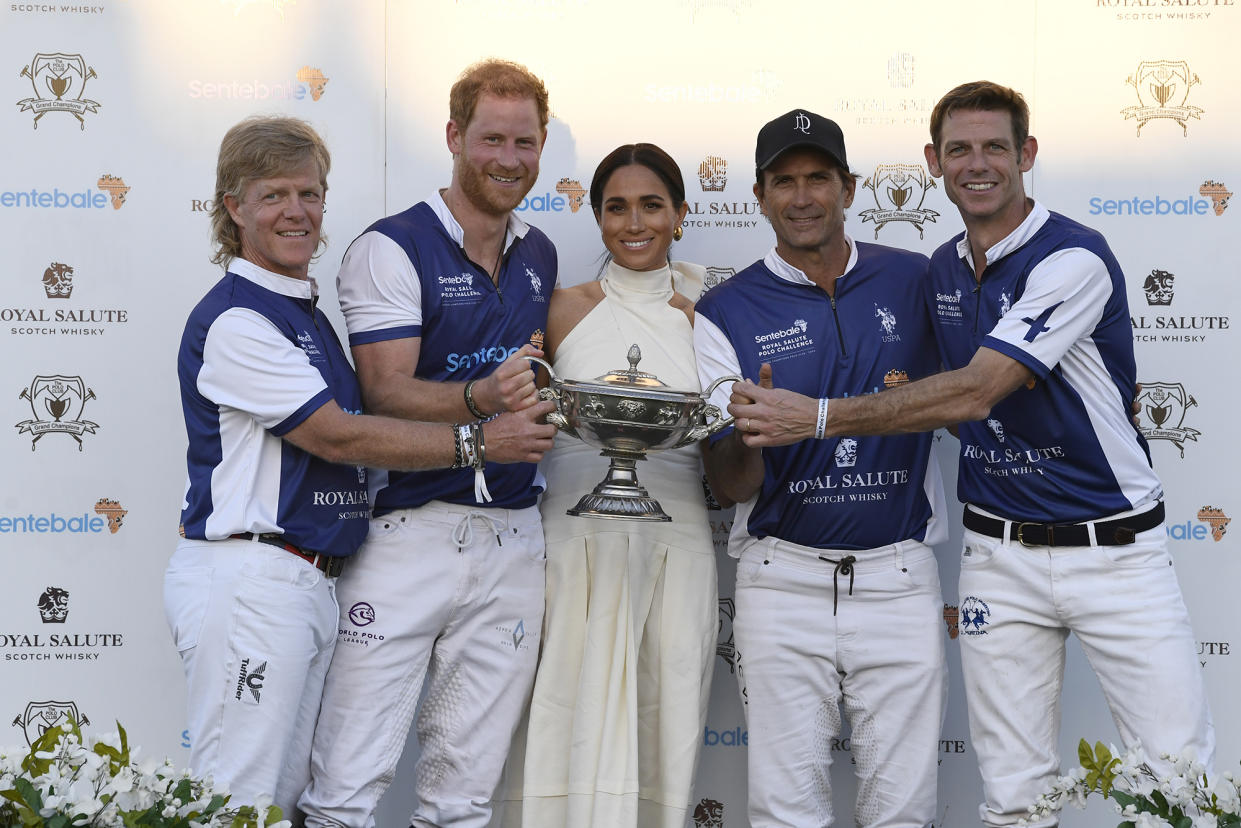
716 358
1064 300
251 367
379 290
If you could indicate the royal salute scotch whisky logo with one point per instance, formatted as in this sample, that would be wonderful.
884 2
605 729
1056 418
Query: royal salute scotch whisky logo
58 281
899 191
1162 417
1162 87
54 605
62 399
1158 287
59 81
709 813
713 174
901 70
38 717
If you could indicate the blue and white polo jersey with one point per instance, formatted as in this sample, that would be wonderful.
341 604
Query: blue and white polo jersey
408 276
256 359
853 492
1052 297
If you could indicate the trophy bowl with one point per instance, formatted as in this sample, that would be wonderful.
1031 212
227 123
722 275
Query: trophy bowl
627 413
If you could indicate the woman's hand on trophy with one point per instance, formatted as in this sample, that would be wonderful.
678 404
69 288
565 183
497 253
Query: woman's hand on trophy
510 387
520 436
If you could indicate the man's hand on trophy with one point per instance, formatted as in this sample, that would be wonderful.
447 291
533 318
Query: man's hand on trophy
510 387
520 436
769 416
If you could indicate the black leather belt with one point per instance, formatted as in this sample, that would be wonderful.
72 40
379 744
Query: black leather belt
329 565
1118 532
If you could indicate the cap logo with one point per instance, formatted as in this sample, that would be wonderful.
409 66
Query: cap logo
802 123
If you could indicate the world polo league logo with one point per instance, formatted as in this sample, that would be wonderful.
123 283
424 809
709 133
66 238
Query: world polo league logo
1164 405
1162 87
61 399
39 717
58 80
899 190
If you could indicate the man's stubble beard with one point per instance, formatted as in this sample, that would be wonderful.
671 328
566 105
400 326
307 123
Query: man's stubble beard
474 185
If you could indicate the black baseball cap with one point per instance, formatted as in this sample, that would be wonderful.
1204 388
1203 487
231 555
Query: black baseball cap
799 128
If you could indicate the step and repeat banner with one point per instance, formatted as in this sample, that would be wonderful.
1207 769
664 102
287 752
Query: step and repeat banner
111 116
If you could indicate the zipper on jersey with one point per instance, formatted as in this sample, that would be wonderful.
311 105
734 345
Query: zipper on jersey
840 336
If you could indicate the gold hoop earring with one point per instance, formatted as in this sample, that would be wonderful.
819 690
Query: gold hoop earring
677 233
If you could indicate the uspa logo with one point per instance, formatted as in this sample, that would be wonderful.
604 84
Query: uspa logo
899 191
1164 406
713 174
63 399
1162 87
39 717
59 81
709 813
54 605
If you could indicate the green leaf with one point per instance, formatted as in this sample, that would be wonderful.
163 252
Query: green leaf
1083 754
30 794
1102 754
1184 822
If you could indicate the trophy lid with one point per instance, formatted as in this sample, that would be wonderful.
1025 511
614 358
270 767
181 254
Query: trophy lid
631 377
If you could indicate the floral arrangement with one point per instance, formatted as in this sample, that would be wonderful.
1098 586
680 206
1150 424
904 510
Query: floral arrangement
70 780
1184 799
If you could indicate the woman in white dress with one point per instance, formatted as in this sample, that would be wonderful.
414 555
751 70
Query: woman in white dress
621 694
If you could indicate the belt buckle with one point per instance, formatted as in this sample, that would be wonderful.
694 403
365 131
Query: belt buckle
1021 539
333 565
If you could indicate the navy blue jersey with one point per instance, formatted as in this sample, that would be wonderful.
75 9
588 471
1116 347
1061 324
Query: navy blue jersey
408 276
1053 298
848 492
256 359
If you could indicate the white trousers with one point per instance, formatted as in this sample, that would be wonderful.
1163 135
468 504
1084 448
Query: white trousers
1018 605
453 595
255 626
881 656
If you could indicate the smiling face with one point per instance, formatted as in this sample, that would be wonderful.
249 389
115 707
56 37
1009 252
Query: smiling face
804 196
497 154
637 218
279 220
981 163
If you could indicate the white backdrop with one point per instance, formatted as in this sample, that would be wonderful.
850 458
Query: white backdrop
111 116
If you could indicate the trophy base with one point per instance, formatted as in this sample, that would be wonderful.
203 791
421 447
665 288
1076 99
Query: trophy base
620 496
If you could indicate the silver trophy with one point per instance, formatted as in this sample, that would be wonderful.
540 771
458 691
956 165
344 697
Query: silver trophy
627 413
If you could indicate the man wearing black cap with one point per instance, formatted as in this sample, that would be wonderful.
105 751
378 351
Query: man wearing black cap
837 596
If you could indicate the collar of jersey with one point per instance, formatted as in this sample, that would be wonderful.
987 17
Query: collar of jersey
276 283
1024 232
516 227
788 273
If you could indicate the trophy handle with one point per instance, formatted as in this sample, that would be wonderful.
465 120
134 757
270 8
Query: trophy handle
713 419
557 417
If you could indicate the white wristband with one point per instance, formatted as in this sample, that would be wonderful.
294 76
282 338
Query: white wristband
820 425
